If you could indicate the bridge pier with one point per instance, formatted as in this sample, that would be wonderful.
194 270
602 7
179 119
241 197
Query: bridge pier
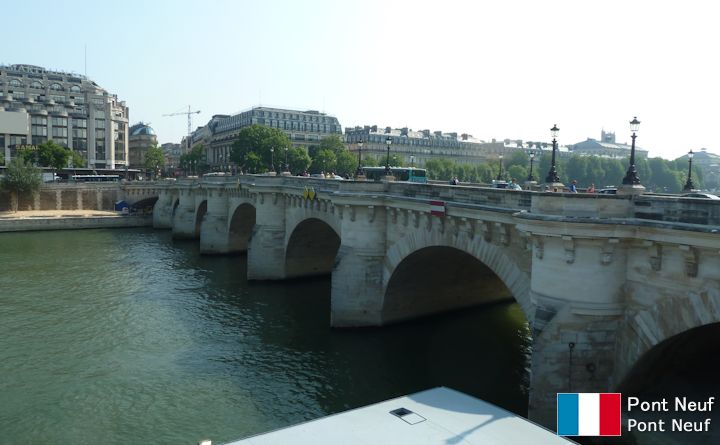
163 210
184 219
214 229
266 249
357 279
574 353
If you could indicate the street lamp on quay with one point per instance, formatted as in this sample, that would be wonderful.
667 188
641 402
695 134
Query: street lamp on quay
500 171
287 166
272 159
631 177
552 176
388 172
530 177
689 186
359 171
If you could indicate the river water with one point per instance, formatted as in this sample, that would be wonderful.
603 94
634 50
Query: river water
124 336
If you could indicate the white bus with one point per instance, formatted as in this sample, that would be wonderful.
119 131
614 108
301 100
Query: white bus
95 178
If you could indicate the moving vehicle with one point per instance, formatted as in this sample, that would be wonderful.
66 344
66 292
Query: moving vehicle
410 174
700 195
608 191
95 178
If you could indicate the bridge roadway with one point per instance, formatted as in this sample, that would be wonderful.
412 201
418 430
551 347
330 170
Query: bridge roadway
602 279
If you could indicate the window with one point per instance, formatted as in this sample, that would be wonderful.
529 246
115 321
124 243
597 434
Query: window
59 121
39 130
19 95
38 120
57 98
37 85
99 123
75 88
79 133
59 132
56 87
100 134
79 123
15 83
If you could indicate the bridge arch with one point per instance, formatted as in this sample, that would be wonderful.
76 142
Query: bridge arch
422 264
199 216
311 249
652 327
240 227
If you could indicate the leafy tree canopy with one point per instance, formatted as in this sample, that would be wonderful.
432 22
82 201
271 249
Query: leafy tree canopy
21 176
266 144
154 158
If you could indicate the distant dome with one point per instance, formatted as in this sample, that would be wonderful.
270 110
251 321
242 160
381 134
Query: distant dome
143 130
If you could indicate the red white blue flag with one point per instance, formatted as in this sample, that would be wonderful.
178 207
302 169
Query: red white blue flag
589 414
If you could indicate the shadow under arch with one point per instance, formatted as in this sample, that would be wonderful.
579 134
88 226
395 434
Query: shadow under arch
437 279
681 366
199 215
241 227
311 249
145 204
175 206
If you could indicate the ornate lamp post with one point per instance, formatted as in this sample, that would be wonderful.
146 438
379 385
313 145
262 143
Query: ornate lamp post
287 166
388 142
631 177
412 161
552 176
359 170
500 171
530 176
689 183
272 159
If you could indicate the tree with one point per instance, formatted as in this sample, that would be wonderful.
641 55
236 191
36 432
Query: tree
21 177
2 158
77 160
333 143
346 163
518 172
154 159
324 161
298 159
267 144
51 154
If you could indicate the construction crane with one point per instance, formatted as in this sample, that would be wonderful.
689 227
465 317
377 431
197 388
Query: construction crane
189 116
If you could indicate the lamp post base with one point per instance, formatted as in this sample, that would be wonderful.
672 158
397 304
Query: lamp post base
553 187
286 173
388 178
630 189
529 185
361 178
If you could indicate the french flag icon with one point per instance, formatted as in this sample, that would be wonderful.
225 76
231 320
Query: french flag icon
589 414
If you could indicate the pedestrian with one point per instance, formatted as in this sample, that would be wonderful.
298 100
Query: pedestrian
514 185
573 186
591 189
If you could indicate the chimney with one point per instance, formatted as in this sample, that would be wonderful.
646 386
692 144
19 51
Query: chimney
374 128
464 136
387 130
426 133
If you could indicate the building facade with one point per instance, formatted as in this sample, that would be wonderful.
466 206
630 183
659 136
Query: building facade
142 137
606 147
172 156
302 127
415 148
37 105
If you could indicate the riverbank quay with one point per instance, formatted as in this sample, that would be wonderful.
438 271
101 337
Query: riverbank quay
35 220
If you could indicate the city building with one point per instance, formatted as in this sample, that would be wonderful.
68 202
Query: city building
606 147
37 104
142 137
172 156
304 128
415 148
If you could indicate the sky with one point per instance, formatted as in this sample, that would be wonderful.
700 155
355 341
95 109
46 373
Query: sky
494 69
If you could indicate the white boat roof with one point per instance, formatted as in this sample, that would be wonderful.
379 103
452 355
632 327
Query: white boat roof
436 416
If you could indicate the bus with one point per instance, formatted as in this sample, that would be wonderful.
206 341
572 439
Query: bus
410 174
95 178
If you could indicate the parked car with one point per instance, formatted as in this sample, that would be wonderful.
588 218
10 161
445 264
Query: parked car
700 195
608 191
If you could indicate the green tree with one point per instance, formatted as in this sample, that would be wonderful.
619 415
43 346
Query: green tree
51 154
77 160
346 163
154 159
518 172
21 178
298 159
2 158
333 143
267 144
324 161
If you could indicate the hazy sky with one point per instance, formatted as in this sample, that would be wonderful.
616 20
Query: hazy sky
494 69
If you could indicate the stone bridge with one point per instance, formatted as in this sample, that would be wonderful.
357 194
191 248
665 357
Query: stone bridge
602 279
